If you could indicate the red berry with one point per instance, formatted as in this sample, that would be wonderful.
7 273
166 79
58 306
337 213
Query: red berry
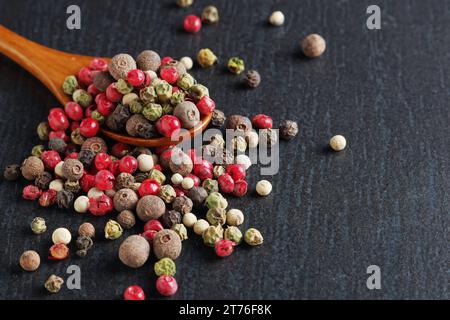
148 187
85 76
261 121
57 119
236 171
115 168
179 191
74 111
59 134
120 149
158 167
153 225
149 235
224 248
88 111
203 170
240 188
92 90
102 161
50 158
101 205
136 77
165 60
192 23
206 105
31 192
98 64
47 198
169 73
113 94
89 127
104 180
168 125
195 178
166 285
226 183
87 182
134 293
175 89
128 164
58 251
104 106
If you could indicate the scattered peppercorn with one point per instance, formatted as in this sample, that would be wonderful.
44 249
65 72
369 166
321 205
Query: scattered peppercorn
64 199
61 235
338 143
165 266
57 144
253 78
113 230
263 188
233 233
253 237
210 14
30 260
235 217
313 45
12 172
276 18
150 207
239 123
212 234
54 284
171 218
167 244
32 167
83 244
86 229
134 251
206 58
184 3
288 129
182 204
236 65
120 65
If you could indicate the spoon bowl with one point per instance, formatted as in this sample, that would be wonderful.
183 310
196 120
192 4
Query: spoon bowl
52 66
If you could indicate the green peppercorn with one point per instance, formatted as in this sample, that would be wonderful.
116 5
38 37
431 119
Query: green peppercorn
210 14
233 233
157 175
152 111
236 65
54 283
82 97
113 230
185 81
210 185
167 108
136 106
253 237
216 216
198 91
212 234
206 58
37 150
216 200
165 266
164 91
43 130
97 116
70 85
38 225
148 94
181 230
177 97
123 87
167 193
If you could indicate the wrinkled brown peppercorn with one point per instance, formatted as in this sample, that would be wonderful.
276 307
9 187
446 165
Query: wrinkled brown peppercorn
170 218
252 78
12 172
72 186
32 167
95 144
57 144
72 169
102 80
43 180
83 243
148 60
124 180
117 120
238 122
197 195
182 204
218 118
138 126
64 199
288 129
125 199
86 229
126 219
167 244
150 207
86 157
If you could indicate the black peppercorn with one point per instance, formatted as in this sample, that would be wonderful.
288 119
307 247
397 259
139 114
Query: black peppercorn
12 172
182 204
43 180
86 157
197 195
102 80
288 129
218 118
170 218
141 150
72 186
64 199
57 144
83 243
116 121
238 122
252 78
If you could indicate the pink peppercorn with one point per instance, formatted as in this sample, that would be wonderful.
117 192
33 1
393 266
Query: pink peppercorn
74 111
226 183
169 73
89 110
158 167
57 119
92 90
262 121
98 64
165 60
87 182
113 94
153 225
120 149
168 125
149 235
203 170
114 167
50 158
31 192
72 155
104 106
102 161
236 171
224 248
85 76
136 77
59 134
104 180
89 127
101 205
192 153
128 164
192 23
134 293
240 188
206 105
47 198
166 285
179 192
148 187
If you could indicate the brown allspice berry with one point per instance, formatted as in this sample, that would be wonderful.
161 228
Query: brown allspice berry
135 124
126 219
102 80
167 244
181 163
238 122
170 218
30 260
148 60
188 114
134 251
95 144
72 169
124 180
120 65
313 45
125 199
182 204
12 172
32 167
198 195
253 78
86 229
288 129
150 207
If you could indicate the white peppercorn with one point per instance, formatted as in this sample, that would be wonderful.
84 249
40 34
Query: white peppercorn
95 193
58 169
313 45
187 183
145 162
176 179
235 217
243 160
200 226
252 139
56 185
263 188
188 63
61 235
338 143
276 18
81 204
189 219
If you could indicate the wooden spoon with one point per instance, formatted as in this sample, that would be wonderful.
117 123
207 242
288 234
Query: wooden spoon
52 66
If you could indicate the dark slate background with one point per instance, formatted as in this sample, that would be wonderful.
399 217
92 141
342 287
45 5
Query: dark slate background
383 201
